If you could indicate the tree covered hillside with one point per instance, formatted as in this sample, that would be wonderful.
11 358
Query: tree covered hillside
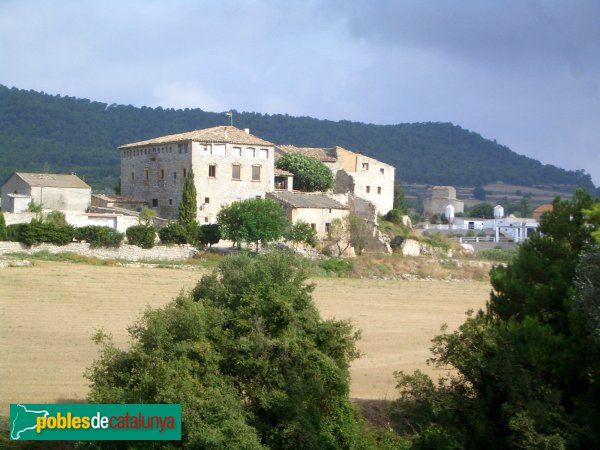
64 134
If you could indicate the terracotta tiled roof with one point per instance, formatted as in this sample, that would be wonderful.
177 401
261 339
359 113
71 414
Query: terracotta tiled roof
53 180
306 200
322 154
543 208
282 172
221 134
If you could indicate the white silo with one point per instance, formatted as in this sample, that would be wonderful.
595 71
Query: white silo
449 213
498 212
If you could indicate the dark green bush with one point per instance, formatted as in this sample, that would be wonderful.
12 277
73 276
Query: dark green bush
209 234
98 236
336 265
3 232
173 233
141 235
394 216
38 232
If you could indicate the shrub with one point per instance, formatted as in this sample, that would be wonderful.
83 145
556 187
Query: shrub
3 232
394 216
209 234
336 265
98 236
173 233
57 218
310 174
38 232
141 235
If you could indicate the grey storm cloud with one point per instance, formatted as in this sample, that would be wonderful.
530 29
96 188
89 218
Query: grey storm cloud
523 72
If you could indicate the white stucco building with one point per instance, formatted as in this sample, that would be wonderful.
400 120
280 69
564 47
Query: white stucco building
52 191
354 173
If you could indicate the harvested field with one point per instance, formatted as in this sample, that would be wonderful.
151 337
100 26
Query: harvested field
49 312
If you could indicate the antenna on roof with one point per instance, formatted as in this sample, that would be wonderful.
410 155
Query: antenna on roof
230 114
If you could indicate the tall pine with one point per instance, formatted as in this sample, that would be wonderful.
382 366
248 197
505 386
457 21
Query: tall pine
187 206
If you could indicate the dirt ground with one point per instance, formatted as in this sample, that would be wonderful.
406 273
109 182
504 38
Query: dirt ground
49 312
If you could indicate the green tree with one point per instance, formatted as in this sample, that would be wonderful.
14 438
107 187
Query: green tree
141 235
253 221
3 233
248 357
56 217
479 193
482 211
360 233
310 174
188 205
525 369
399 198
301 232
147 216
209 234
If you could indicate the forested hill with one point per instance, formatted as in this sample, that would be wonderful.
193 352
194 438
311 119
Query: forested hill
41 132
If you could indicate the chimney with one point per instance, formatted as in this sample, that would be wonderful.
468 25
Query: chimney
247 130
225 133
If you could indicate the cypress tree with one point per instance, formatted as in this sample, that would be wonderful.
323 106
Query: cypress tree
187 206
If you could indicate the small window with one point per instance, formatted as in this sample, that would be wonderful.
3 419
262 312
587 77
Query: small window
170 202
365 166
257 197
327 227
263 153
185 148
368 189
255 173
174 175
205 148
250 152
313 226
146 174
154 202
184 173
236 171
237 151
379 189
180 148
212 170
162 174
206 220
207 200
132 176
382 171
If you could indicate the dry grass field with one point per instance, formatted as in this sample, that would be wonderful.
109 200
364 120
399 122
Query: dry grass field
49 312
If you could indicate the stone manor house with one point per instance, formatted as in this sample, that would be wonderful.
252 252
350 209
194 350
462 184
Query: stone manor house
231 164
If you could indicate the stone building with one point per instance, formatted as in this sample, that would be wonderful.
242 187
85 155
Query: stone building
442 196
52 191
357 174
229 164
316 209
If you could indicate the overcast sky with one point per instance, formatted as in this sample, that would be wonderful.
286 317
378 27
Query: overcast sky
523 72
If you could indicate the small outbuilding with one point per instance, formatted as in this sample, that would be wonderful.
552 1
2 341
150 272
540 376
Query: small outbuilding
52 191
317 209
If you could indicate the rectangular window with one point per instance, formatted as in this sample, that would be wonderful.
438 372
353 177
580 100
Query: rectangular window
258 197
206 220
250 152
184 173
236 171
327 227
132 176
382 171
212 170
255 173
162 174
263 153
206 148
379 189
313 226
146 174
170 202
368 189
154 202
237 151
365 166
174 175
206 200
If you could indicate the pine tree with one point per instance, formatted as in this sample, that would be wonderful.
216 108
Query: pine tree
187 207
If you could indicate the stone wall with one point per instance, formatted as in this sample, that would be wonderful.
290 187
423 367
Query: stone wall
124 252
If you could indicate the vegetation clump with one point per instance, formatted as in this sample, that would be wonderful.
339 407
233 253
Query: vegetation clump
141 235
310 174
248 357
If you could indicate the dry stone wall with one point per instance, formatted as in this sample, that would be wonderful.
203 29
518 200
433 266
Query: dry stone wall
124 252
